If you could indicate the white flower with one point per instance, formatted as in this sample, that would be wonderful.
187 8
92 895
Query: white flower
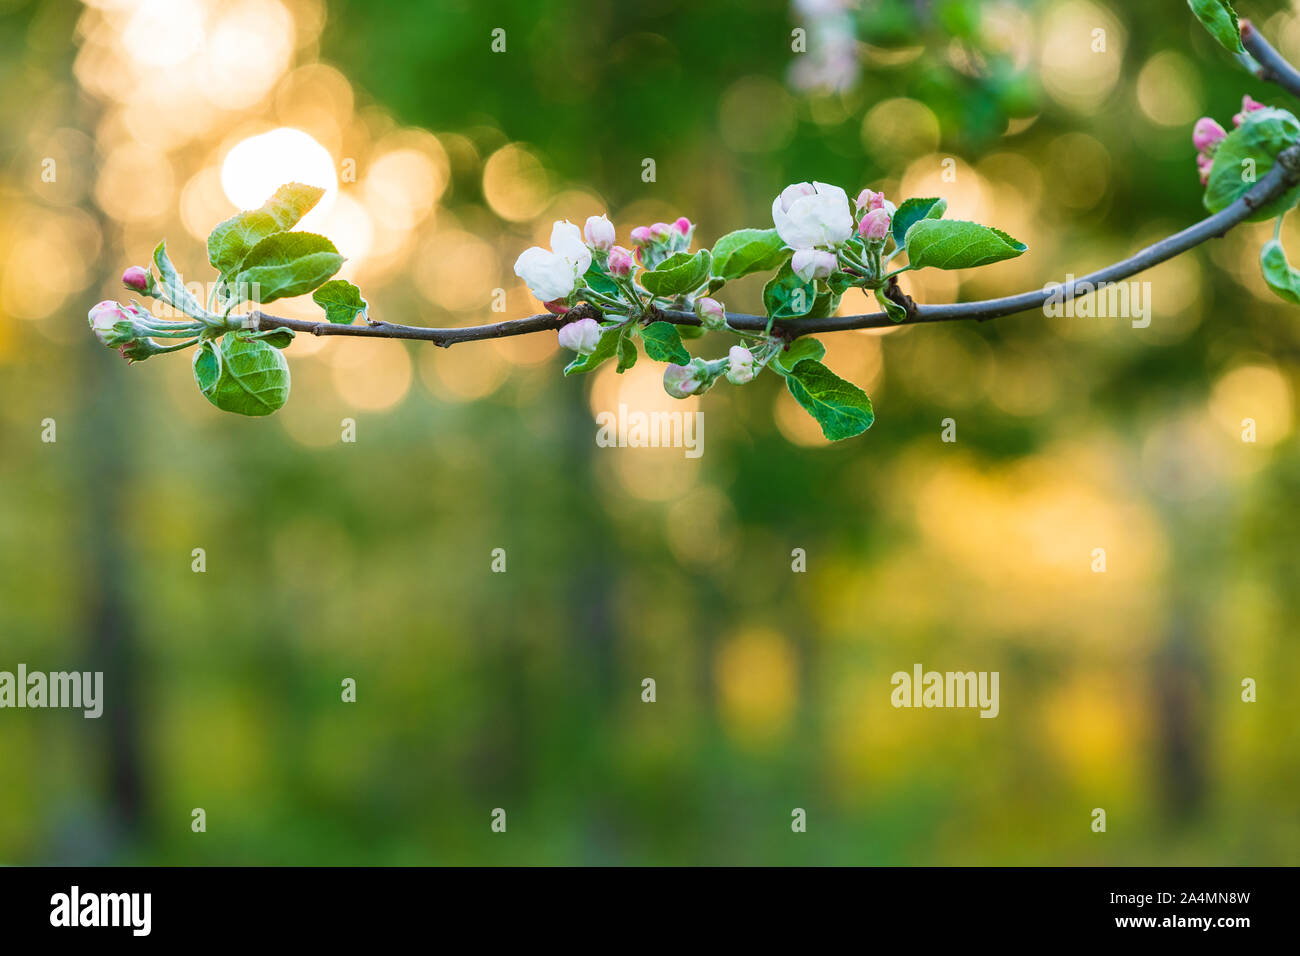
554 274
599 232
810 264
740 368
582 336
812 216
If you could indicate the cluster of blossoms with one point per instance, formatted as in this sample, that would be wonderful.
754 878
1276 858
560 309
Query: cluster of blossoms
131 329
1208 134
821 243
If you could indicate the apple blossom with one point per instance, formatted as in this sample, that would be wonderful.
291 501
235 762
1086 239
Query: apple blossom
136 279
711 312
869 199
684 226
641 236
555 273
599 232
103 317
582 336
875 225
812 215
810 264
681 381
1207 134
1248 105
740 367
620 262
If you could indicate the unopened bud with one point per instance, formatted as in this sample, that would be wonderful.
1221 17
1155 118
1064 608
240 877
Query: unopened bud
599 233
620 262
869 199
660 231
641 236
582 336
875 225
711 312
136 279
810 264
1207 134
558 306
111 323
681 381
684 226
1248 105
740 365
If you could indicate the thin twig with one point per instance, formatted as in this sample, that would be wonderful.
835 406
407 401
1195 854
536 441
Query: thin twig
1273 67
1284 175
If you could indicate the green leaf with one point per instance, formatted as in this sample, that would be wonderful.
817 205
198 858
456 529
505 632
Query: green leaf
913 211
786 296
1221 20
1245 155
663 343
280 338
678 274
841 408
747 250
173 288
287 264
626 353
231 241
1278 273
242 374
607 347
804 347
891 308
594 278
957 244
341 301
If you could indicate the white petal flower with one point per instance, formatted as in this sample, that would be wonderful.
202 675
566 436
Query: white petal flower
820 219
566 241
554 274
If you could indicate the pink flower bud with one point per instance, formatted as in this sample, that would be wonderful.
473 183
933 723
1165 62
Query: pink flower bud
810 264
1248 105
875 225
641 236
582 336
558 306
660 231
870 199
620 262
599 233
1207 134
136 278
681 380
711 312
683 225
740 367
103 317
1203 166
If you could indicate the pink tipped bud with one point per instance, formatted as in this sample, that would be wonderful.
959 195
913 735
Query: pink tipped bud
1207 134
136 279
1248 105
740 365
875 225
711 312
620 262
599 233
103 317
582 336
641 236
660 231
558 306
870 199
810 264
684 226
682 380
1203 166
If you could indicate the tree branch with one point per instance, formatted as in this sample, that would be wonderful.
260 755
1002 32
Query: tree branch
1284 175
1273 67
